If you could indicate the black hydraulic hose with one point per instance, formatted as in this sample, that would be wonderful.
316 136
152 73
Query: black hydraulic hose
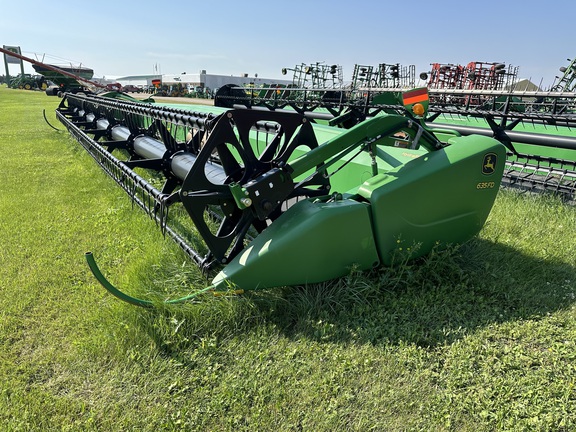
48 123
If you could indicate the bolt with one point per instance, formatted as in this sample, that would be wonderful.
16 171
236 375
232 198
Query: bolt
246 202
267 206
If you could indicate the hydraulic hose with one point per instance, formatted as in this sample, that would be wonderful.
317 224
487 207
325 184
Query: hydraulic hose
127 298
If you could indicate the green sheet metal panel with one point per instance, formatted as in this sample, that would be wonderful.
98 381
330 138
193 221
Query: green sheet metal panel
443 197
312 242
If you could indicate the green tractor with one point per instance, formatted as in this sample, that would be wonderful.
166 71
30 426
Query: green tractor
28 82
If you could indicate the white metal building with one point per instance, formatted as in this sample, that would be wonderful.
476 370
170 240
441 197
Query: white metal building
202 79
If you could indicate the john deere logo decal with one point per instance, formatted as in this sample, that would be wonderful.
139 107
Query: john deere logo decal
489 164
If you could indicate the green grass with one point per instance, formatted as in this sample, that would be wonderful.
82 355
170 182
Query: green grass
480 337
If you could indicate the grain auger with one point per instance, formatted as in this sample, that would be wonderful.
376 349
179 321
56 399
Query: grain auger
275 200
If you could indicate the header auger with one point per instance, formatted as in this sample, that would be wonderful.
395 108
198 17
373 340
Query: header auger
276 200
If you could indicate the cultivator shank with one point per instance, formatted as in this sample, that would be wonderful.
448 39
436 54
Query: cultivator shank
271 199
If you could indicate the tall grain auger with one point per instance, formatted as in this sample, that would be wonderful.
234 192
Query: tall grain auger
275 200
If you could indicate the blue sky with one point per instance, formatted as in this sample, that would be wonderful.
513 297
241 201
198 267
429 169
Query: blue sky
227 37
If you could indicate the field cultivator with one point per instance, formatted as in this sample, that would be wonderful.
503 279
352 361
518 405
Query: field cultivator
567 82
320 89
300 95
384 76
316 75
475 75
268 198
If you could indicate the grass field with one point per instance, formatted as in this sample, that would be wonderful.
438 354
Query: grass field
477 338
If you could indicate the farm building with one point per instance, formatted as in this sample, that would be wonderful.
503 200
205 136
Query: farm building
201 81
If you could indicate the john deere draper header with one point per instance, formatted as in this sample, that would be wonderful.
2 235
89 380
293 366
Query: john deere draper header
270 197
275 199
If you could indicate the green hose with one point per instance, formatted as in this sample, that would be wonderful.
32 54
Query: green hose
125 297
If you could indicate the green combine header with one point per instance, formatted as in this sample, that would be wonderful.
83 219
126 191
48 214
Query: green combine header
276 199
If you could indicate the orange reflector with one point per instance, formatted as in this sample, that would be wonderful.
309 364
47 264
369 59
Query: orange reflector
418 109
